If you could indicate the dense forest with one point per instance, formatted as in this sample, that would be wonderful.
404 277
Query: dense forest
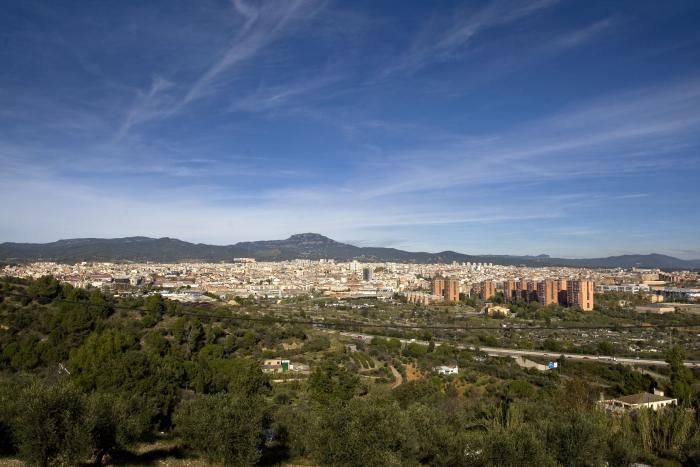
89 379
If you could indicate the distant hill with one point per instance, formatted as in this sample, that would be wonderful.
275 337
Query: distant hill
300 246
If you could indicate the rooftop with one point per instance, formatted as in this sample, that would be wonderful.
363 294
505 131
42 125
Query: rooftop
643 398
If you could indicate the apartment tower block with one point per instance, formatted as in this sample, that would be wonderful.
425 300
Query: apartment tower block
579 294
488 290
548 292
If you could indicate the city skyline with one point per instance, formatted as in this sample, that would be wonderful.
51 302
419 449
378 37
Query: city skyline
498 127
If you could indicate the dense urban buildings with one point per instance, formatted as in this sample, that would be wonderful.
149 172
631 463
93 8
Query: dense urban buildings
448 289
419 283
574 293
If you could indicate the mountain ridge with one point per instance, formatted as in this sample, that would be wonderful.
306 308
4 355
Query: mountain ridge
298 246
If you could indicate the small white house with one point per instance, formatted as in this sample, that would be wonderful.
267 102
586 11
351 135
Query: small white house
280 365
446 370
637 401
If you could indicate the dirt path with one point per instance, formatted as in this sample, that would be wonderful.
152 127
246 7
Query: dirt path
397 377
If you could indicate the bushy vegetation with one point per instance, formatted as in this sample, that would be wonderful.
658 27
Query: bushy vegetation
85 378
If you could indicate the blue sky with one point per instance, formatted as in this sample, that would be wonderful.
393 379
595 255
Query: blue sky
502 126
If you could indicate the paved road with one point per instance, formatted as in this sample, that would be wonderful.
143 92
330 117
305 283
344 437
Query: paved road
495 351
504 352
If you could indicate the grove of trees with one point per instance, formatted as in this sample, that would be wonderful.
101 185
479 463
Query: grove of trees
85 379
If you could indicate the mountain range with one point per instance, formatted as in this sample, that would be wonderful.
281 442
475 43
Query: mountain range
299 246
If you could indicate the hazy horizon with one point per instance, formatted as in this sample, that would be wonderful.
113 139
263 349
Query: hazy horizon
365 244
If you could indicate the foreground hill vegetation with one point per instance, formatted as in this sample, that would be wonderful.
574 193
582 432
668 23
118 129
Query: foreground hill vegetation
89 379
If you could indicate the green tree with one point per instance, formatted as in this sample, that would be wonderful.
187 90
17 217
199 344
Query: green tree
681 376
155 304
88 361
195 336
45 289
513 448
110 362
246 377
606 348
178 330
154 342
317 344
222 428
439 443
391 346
552 344
489 340
10 406
414 350
519 389
113 423
577 438
50 428
330 383
209 373
367 432
421 390
633 382
665 432
623 443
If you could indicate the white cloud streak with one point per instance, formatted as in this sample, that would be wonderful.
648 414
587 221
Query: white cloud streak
616 135
268 98
431 46
263 24
584 35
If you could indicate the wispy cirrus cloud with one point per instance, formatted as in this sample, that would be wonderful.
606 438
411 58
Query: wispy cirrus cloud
262 24
614 135
581 36
267 98
149 105
444 39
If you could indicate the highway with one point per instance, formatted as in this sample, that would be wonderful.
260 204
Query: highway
504 352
